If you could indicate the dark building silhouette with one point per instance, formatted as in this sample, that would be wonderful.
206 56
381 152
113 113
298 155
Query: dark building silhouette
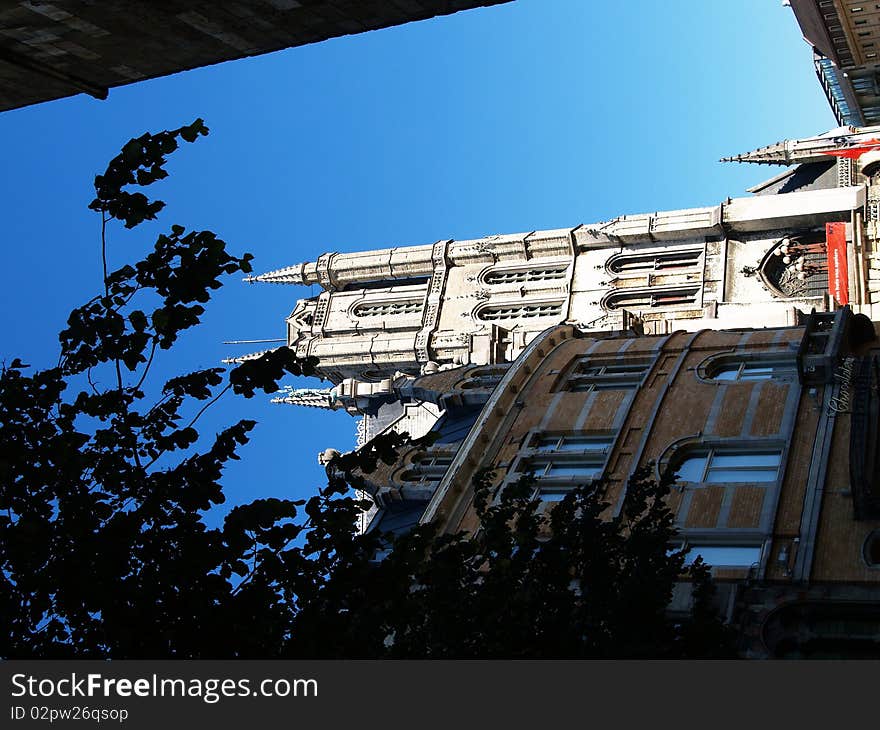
52 50
845 36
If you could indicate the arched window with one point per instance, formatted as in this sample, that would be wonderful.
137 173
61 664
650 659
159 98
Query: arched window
519 311
390 308
871 549
719 465
746 367
648 262
754 370
642 298
796 266
524 276
484 378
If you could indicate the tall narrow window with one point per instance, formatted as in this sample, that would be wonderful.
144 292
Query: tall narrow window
390 308
519 311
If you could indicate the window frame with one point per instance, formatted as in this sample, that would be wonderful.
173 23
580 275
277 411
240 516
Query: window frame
783 364
607 374
558 442
639 264
653 297
546 451
426 468
403 307
556 306
776 368
712 451
694 548
509 276
870 539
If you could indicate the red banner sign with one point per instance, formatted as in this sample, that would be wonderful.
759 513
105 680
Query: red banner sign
838 271
856 151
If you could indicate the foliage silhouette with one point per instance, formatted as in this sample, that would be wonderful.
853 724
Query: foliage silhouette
105 553
567 583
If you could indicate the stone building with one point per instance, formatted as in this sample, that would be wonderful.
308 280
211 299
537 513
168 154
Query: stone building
734 345
479 302
845 36
772 431
52 50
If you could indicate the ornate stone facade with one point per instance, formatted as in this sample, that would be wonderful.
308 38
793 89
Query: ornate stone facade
482 301
706 341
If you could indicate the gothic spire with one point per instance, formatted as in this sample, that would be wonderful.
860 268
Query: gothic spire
773 154
287 275
309 397
242 358
809 149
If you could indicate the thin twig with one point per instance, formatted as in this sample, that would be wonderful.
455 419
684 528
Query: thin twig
207 406
89 378
104 250
147 366
134 291
192 422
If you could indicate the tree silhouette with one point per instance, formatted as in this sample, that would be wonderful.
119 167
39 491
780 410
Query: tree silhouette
104 549
567 583
103 546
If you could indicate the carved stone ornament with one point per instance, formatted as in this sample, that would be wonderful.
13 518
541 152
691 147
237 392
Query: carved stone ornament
327 455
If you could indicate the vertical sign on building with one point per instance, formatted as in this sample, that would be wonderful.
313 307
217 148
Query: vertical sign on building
838 272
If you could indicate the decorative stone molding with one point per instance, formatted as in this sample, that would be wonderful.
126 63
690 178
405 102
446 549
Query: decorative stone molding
433 301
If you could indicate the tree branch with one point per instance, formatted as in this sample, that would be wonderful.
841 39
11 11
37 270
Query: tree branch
192 422
147 366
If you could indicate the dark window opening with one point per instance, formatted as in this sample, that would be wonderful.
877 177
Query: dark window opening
626 263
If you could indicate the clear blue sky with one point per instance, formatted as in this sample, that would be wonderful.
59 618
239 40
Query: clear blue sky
535 114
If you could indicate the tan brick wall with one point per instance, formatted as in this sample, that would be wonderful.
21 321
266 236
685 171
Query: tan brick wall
745 506
705 507
771 406
605 409
839 544
686 407
791 499
733 409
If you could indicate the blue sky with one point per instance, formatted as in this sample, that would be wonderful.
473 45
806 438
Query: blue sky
535 114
